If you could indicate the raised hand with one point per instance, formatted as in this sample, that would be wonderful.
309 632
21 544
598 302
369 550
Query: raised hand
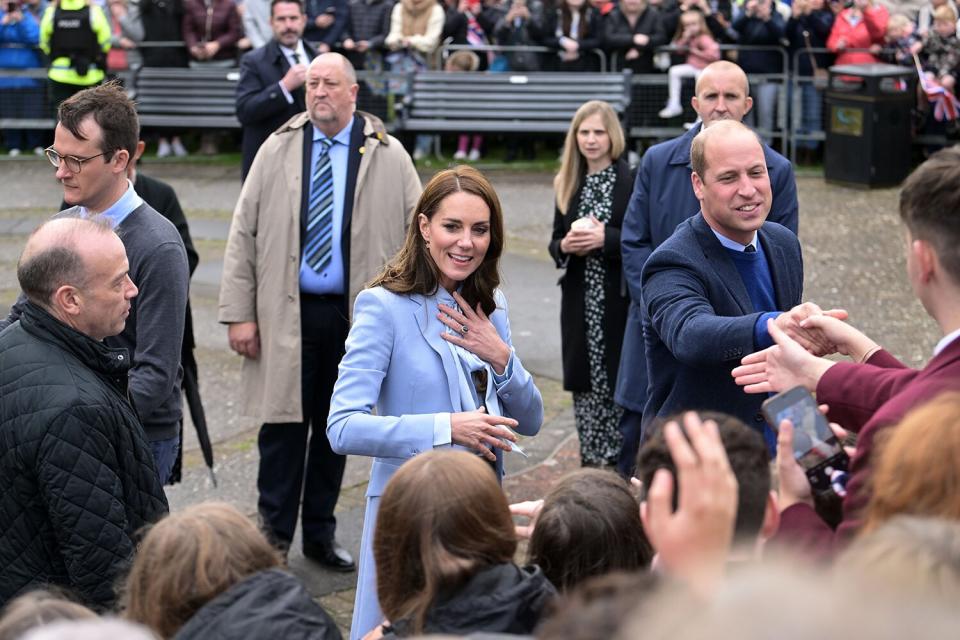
531 510
692 542
794 486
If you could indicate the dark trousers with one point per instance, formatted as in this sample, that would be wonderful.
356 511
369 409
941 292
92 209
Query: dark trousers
631 428
289 465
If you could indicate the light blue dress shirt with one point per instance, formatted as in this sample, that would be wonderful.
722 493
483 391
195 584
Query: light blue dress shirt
331 280
119 210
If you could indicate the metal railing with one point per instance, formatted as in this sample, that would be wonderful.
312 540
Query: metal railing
445 50
793 125
649 90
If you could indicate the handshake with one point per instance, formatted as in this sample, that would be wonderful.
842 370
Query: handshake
805 325
801 336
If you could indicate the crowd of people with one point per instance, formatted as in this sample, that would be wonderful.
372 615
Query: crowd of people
367 310
81 42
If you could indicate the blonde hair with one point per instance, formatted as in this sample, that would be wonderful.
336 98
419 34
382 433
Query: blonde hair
704 29
944 13
572 166
189 558
36 609
916 472
898 21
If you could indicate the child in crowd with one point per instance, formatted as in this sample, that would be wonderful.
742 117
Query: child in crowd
693 39
901 41
941 48
468 146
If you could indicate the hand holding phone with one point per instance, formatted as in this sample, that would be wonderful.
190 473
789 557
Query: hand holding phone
815 447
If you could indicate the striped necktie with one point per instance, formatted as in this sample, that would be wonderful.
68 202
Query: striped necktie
318 248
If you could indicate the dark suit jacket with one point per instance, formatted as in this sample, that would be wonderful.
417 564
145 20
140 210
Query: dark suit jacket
261 105
699 320
663 198
573 328
866 398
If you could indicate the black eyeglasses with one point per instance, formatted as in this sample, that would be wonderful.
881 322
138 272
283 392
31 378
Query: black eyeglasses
74 164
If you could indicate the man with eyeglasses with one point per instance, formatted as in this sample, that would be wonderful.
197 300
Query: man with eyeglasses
94 142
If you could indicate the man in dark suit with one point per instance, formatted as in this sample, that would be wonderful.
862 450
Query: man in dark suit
875 391
270 90
662 199
709 290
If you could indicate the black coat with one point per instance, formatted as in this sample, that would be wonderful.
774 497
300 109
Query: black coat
618 38
573 328
77 475
503 599
269 604
261 105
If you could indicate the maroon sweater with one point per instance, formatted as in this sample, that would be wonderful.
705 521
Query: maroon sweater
221 23
867 399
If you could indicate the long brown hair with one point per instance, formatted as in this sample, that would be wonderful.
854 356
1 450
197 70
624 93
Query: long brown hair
442 518
572 165
916 471
188 559
412 270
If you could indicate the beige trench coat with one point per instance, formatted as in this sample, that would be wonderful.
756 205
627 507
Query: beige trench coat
261 266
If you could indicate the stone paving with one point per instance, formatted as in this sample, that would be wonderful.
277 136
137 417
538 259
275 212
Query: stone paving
853 248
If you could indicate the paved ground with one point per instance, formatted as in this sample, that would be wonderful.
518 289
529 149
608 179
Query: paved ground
853 248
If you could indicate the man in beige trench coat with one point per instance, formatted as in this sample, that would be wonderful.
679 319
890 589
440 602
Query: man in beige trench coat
325 205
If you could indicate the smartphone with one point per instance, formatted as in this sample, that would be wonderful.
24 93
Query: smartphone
815 446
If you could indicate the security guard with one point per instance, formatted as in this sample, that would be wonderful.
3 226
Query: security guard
75 35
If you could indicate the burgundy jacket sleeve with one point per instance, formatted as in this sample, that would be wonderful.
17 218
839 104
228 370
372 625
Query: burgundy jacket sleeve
855 391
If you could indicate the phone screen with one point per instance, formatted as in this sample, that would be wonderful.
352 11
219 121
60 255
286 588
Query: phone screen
815 446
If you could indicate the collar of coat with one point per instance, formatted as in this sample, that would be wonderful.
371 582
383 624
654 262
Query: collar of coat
112 362
373 126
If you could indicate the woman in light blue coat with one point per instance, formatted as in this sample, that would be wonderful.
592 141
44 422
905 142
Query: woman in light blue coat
429 352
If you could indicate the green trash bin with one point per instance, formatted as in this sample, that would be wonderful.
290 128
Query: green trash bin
868 124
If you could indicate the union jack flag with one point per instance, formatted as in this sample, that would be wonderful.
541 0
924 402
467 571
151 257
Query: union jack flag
945 104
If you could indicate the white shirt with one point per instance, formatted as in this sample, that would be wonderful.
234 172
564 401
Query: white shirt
288 54
945 341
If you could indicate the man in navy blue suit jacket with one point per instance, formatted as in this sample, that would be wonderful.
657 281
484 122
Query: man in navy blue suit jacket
709 290
270 90
663 198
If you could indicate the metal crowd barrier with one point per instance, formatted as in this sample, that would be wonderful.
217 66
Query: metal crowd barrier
650 94
379 93
446 49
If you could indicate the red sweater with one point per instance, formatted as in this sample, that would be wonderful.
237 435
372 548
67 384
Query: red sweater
869 30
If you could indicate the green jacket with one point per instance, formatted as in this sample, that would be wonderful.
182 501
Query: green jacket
61 69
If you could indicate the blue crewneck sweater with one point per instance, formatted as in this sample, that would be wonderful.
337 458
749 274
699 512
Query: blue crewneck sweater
755 272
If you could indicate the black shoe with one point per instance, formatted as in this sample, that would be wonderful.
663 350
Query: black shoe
331 555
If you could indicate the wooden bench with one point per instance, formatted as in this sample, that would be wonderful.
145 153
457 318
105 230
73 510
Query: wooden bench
507 102
187 98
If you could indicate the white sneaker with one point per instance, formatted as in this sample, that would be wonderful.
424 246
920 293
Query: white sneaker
671 111
38 151
13 153
474 155
163 149
178 149
460 155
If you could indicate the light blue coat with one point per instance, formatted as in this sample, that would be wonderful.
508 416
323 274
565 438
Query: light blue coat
397 364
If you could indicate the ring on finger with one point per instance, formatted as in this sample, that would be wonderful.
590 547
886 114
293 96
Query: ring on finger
464 328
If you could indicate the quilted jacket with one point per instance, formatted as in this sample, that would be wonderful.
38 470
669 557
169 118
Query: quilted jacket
77 478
